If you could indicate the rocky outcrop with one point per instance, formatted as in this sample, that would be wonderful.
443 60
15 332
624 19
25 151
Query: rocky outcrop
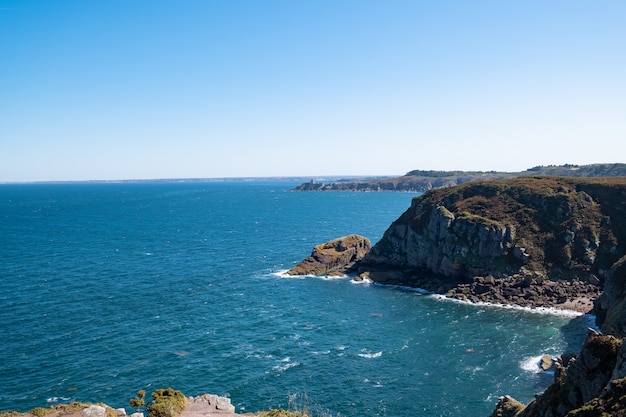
208 405
201 406
611 306
94 411
508 407
333 258
525 233
592 383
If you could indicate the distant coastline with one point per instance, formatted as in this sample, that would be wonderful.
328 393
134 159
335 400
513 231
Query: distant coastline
421 180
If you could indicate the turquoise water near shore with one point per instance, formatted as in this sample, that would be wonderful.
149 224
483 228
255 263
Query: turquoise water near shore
108 288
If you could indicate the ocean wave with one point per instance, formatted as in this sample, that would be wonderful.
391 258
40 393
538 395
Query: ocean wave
531 364
284 274
538 310
285 364
53 400
371 355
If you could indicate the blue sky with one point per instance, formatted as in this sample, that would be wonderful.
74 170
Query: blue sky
189 88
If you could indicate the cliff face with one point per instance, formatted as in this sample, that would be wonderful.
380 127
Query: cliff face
556 227
592 384
611 307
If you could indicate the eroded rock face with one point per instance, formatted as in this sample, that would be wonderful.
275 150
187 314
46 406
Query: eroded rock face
443 243
557 228
333 258
594 376
611 306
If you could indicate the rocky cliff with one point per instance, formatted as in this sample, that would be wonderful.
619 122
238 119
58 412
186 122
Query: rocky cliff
522 232
611 307
593 384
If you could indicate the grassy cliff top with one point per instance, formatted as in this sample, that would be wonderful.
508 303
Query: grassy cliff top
559 221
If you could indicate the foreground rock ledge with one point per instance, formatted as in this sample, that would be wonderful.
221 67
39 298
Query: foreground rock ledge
200 406
333 258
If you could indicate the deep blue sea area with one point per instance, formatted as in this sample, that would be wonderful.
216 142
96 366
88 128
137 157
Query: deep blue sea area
109 288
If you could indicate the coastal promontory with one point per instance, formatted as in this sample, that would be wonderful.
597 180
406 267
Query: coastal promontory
533 241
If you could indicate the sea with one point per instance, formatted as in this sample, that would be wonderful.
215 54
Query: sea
110 288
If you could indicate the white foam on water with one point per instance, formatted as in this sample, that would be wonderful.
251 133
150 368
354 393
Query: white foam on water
284 274
371 355
285 364
537 310
56 399
531 364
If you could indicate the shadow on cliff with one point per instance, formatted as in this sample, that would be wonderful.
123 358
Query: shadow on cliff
575 332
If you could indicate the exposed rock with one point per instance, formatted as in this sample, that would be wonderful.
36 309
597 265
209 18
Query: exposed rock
507 407
611 306
207 404
526 291
94 411
588 377
546 363
542 241
333 258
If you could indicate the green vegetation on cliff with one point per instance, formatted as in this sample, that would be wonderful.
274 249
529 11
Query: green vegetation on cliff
166 403
560 227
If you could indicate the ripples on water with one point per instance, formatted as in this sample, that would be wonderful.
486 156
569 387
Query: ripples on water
112 288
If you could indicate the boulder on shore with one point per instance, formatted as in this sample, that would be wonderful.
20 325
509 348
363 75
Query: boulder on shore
333 258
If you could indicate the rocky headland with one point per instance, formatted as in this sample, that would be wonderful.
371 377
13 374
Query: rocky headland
528 241
531 241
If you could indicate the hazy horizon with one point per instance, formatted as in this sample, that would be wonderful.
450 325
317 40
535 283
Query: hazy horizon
244 89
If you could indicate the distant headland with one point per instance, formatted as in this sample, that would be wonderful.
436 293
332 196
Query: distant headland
420 181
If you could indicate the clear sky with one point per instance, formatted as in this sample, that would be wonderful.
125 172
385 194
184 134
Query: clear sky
143 89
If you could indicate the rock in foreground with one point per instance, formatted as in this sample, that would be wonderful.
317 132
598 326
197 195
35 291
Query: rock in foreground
333 258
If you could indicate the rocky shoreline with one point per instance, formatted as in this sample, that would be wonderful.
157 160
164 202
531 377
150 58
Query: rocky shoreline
529 292
534 242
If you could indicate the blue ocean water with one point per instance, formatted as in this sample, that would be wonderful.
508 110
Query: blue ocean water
108 288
